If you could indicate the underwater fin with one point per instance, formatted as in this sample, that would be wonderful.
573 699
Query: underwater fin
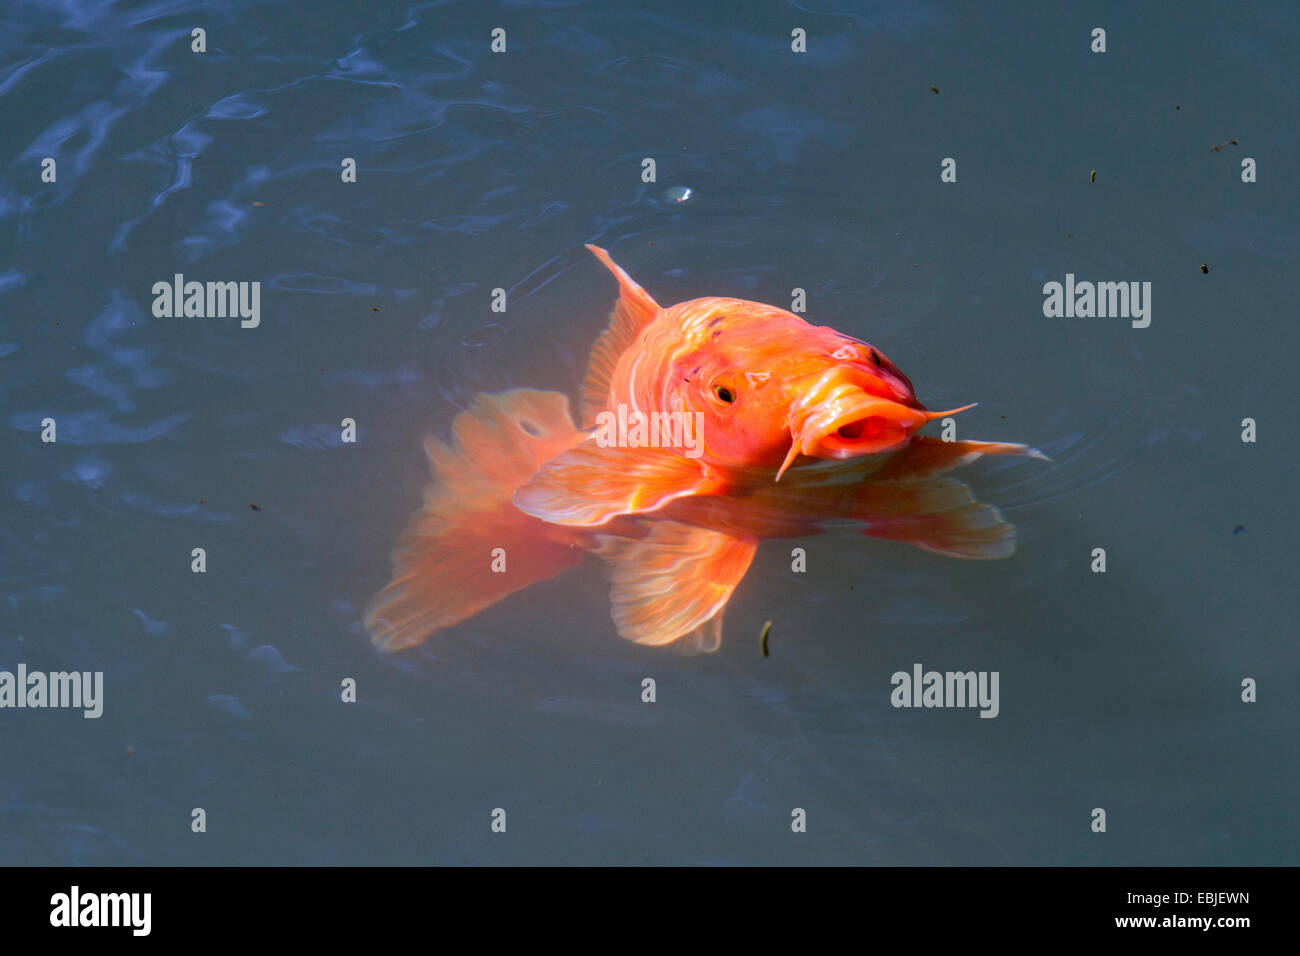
933 456
705 639
935 514
674 582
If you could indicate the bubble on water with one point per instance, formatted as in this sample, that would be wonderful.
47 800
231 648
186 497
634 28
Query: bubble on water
678 194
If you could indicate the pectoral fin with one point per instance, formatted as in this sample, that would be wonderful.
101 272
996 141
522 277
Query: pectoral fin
674 583
932 456
938 514
590 484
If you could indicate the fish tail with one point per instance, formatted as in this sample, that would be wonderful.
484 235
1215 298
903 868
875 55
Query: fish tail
468 546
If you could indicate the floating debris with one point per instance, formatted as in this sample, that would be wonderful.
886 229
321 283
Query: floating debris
678 194
1205 270
934 89
257 204
1215 149
1239 529
762 638
254 507
1093 177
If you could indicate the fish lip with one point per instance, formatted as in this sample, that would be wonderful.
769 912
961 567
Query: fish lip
821 434
817 433
834 445
835 400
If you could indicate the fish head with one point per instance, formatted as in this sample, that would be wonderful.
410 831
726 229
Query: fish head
771 387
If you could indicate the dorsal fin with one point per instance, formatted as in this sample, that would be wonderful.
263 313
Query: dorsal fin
632 313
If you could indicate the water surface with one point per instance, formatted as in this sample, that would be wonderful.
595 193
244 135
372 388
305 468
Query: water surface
478 171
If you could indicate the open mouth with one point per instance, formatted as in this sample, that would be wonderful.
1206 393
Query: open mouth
872 426
855 429
850 422
863 435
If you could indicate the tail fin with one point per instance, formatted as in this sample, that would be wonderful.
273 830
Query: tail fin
444 569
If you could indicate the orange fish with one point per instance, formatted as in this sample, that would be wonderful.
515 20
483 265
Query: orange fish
705 427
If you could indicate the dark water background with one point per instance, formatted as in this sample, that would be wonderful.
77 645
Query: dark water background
478 171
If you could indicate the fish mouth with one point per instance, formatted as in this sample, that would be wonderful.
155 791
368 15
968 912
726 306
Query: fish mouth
848 422
864 434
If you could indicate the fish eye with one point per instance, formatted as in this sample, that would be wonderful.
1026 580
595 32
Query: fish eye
724 394
875 357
